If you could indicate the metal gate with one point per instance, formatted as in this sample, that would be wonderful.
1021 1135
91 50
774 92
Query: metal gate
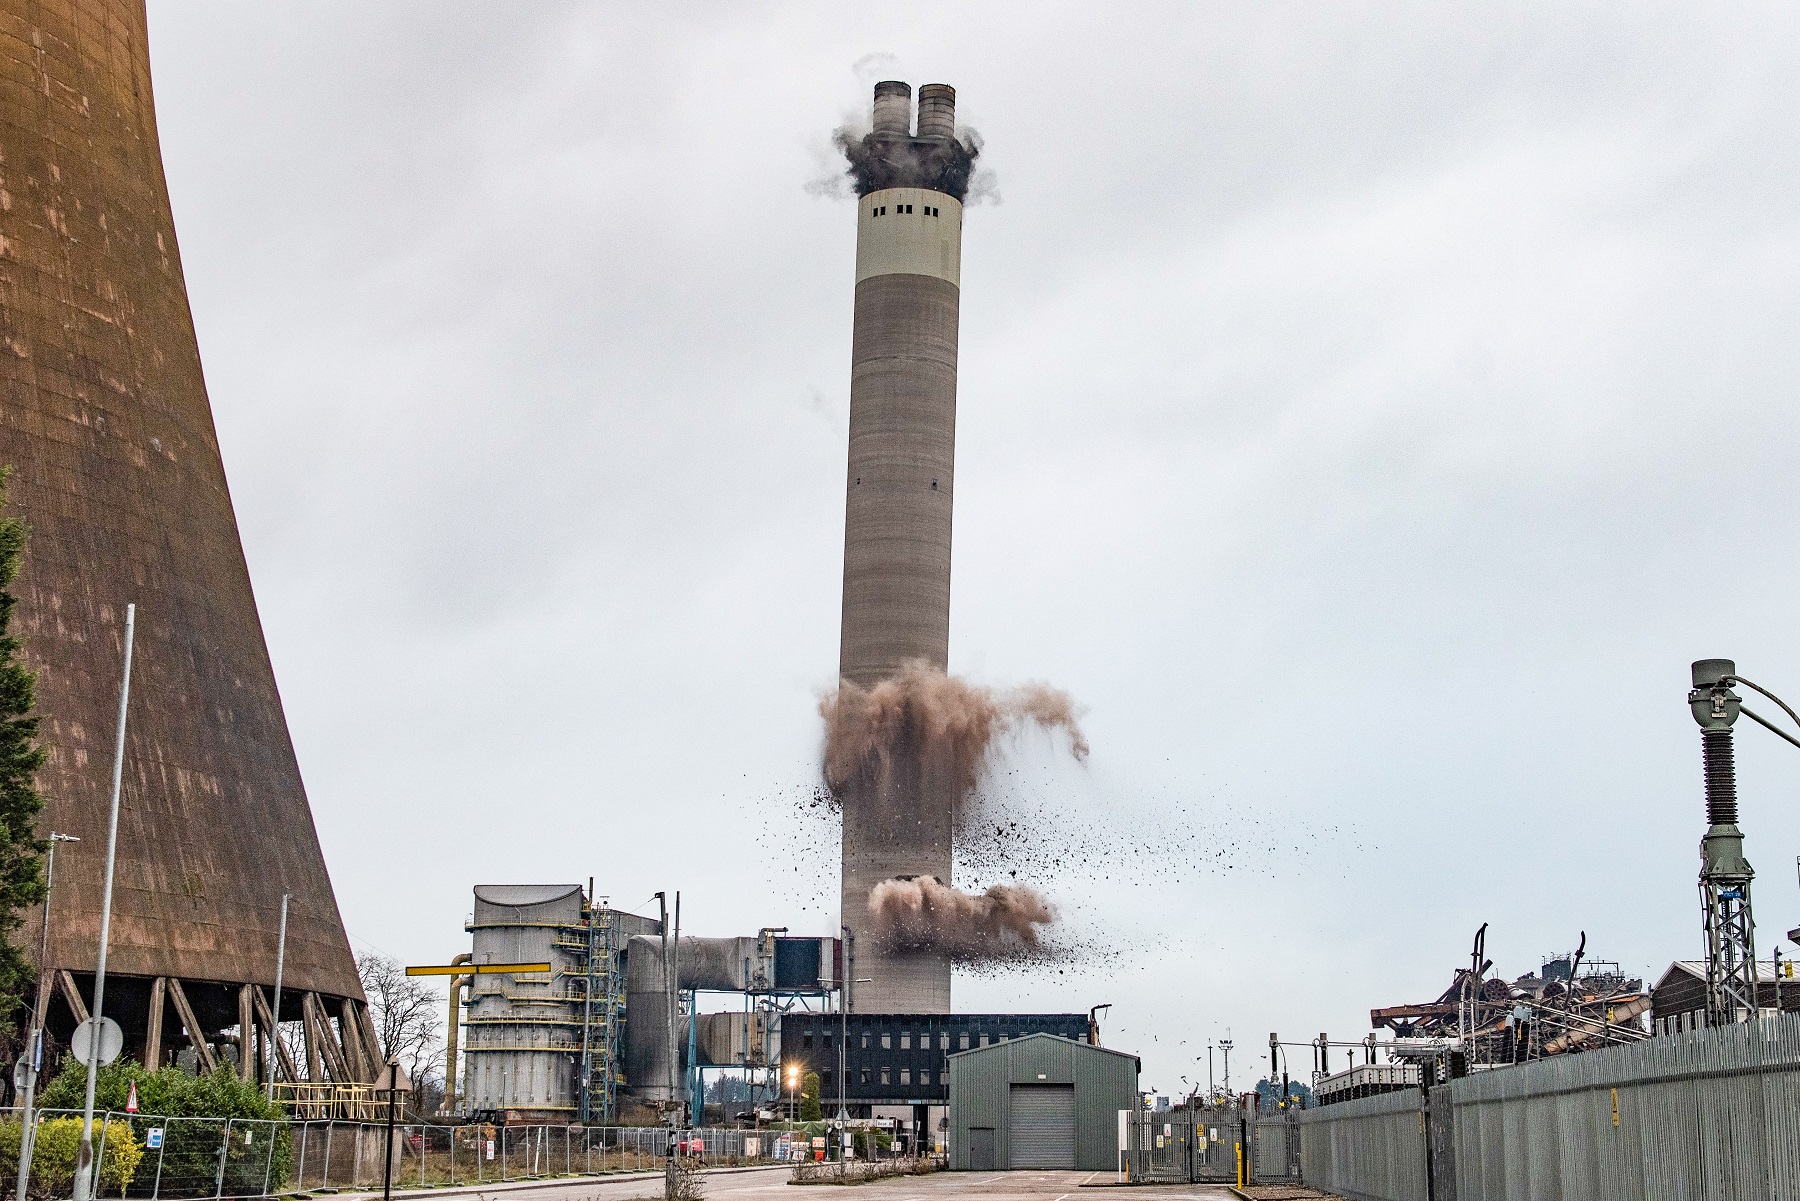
1192 1145
1041 1133
1275 1148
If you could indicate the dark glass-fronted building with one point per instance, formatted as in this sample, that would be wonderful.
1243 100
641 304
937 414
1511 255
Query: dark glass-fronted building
902 1058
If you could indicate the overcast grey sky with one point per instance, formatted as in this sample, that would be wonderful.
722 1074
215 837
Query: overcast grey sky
1366 411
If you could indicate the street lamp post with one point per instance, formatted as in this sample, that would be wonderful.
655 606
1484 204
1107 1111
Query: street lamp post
1225 1046
34 1044
844 1031
84 1157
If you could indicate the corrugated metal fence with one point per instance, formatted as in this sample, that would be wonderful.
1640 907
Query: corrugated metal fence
1704 1114
1370 1149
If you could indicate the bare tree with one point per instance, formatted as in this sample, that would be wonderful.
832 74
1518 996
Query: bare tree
409 1017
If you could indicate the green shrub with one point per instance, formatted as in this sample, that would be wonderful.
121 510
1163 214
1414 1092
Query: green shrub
169 1092
58 1141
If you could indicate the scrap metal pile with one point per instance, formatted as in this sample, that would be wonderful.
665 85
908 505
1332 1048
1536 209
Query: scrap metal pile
1573 1005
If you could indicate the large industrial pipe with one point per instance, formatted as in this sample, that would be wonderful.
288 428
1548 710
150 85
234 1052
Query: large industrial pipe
457 984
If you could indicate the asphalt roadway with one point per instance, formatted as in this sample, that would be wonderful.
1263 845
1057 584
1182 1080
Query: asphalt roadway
771 1184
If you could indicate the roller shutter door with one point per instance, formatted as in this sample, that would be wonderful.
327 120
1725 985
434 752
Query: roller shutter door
1041 1133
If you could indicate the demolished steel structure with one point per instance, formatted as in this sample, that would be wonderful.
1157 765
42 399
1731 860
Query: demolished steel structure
1572 1004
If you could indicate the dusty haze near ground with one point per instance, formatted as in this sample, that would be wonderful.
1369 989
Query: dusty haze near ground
1366 414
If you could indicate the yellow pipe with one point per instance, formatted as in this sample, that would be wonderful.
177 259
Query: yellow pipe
483 969
457 984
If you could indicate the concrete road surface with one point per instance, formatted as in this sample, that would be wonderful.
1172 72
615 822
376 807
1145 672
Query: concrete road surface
771 1184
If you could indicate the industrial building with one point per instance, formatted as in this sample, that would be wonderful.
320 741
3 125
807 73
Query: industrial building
116 470
1039 1102
1678 1001
530 1036
612 1026
900 487
893 1059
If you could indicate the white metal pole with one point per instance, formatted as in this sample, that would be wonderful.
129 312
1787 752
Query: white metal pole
84 1159
34 1044
275 1014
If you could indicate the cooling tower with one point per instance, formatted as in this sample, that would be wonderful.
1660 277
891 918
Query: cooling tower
897 517
105 420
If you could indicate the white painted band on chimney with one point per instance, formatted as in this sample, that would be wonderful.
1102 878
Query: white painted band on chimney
925 241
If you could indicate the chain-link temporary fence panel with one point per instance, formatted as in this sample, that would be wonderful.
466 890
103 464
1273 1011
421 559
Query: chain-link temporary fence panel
143 1156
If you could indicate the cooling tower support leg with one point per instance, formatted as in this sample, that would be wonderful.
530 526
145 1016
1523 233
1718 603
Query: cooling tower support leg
195 1032
72 995
284 1062
246 1034
272 1029
315 1059
42 1007
159 996
370 1039
321 1044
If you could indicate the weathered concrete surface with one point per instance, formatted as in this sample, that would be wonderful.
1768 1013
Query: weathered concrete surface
104 417
900 487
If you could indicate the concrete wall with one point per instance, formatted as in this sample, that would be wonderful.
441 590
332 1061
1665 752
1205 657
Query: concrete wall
981 1081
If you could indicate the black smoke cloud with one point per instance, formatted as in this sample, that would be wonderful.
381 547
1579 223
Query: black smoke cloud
883 160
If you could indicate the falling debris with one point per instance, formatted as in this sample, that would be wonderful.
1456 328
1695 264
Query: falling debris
925 714
920 735
914 913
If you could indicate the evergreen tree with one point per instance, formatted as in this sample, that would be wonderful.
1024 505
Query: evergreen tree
21 851
809 1098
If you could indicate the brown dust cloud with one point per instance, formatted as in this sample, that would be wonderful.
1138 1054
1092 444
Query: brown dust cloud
927 713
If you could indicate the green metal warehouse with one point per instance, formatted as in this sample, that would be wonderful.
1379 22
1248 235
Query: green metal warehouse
1038 1102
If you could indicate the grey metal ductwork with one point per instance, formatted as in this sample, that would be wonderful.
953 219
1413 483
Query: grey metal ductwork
707 964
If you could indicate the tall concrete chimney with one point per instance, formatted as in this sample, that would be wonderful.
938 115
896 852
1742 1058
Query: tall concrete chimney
897 518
